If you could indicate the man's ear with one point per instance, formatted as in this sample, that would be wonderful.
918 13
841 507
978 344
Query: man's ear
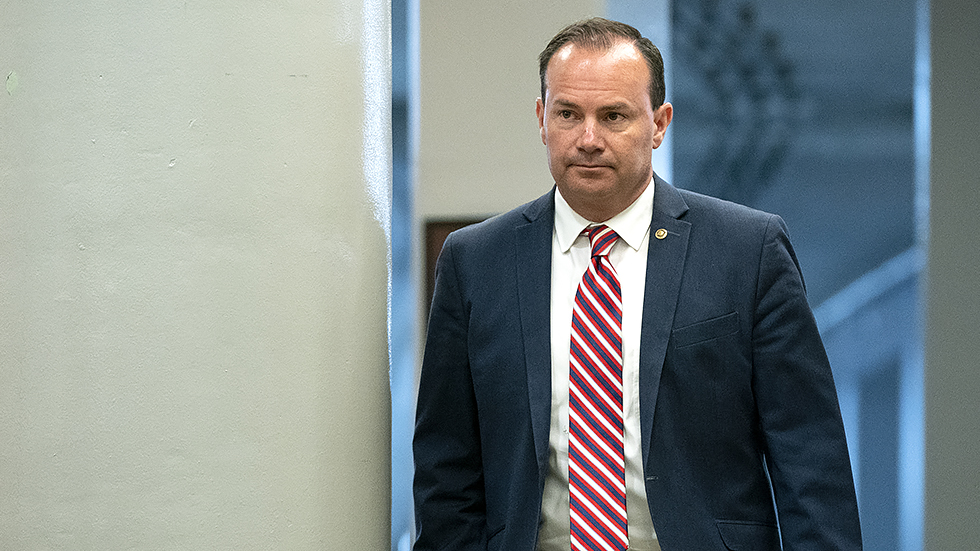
539 110
661 118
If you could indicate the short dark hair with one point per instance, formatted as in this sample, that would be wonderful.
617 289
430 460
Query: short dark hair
601 34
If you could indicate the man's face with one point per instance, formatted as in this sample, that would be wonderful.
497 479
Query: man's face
599 127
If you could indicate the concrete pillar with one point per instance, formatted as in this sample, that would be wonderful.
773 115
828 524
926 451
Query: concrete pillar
194 207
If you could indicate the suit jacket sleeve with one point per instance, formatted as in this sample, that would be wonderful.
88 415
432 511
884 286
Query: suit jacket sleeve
450 505
806 451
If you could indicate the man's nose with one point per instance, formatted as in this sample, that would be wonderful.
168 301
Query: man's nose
590 139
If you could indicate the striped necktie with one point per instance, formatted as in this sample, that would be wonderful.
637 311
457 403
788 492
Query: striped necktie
596 479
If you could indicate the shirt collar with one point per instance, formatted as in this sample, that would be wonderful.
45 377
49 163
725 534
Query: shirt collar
632 224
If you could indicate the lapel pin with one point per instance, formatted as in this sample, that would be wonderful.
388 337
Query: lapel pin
660 234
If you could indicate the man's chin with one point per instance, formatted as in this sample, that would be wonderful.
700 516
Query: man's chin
587 189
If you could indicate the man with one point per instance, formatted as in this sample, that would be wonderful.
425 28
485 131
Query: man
676 396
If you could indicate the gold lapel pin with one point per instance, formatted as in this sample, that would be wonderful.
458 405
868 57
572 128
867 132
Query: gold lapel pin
660 234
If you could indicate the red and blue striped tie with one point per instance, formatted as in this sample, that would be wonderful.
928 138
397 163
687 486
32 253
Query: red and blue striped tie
597 487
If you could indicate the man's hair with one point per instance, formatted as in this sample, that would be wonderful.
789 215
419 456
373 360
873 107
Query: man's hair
600 35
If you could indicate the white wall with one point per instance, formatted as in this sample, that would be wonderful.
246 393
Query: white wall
953 290
480 151
193 268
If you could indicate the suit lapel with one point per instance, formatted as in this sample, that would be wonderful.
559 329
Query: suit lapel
665 266
533 254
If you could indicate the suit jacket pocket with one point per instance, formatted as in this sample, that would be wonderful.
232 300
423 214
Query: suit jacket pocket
706 330
748 536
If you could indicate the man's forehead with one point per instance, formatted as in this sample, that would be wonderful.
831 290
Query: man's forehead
620 49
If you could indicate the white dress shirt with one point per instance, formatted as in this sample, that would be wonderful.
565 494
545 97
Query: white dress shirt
570 256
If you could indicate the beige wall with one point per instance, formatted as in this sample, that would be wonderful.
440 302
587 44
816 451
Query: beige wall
193 267
479 148
953 295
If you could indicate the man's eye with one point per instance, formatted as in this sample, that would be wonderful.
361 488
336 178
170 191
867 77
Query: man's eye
614 117
565 114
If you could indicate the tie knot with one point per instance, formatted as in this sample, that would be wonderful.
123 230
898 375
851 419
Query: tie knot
602 238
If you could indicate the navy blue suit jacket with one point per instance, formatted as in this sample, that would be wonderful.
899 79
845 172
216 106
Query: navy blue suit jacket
743 445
